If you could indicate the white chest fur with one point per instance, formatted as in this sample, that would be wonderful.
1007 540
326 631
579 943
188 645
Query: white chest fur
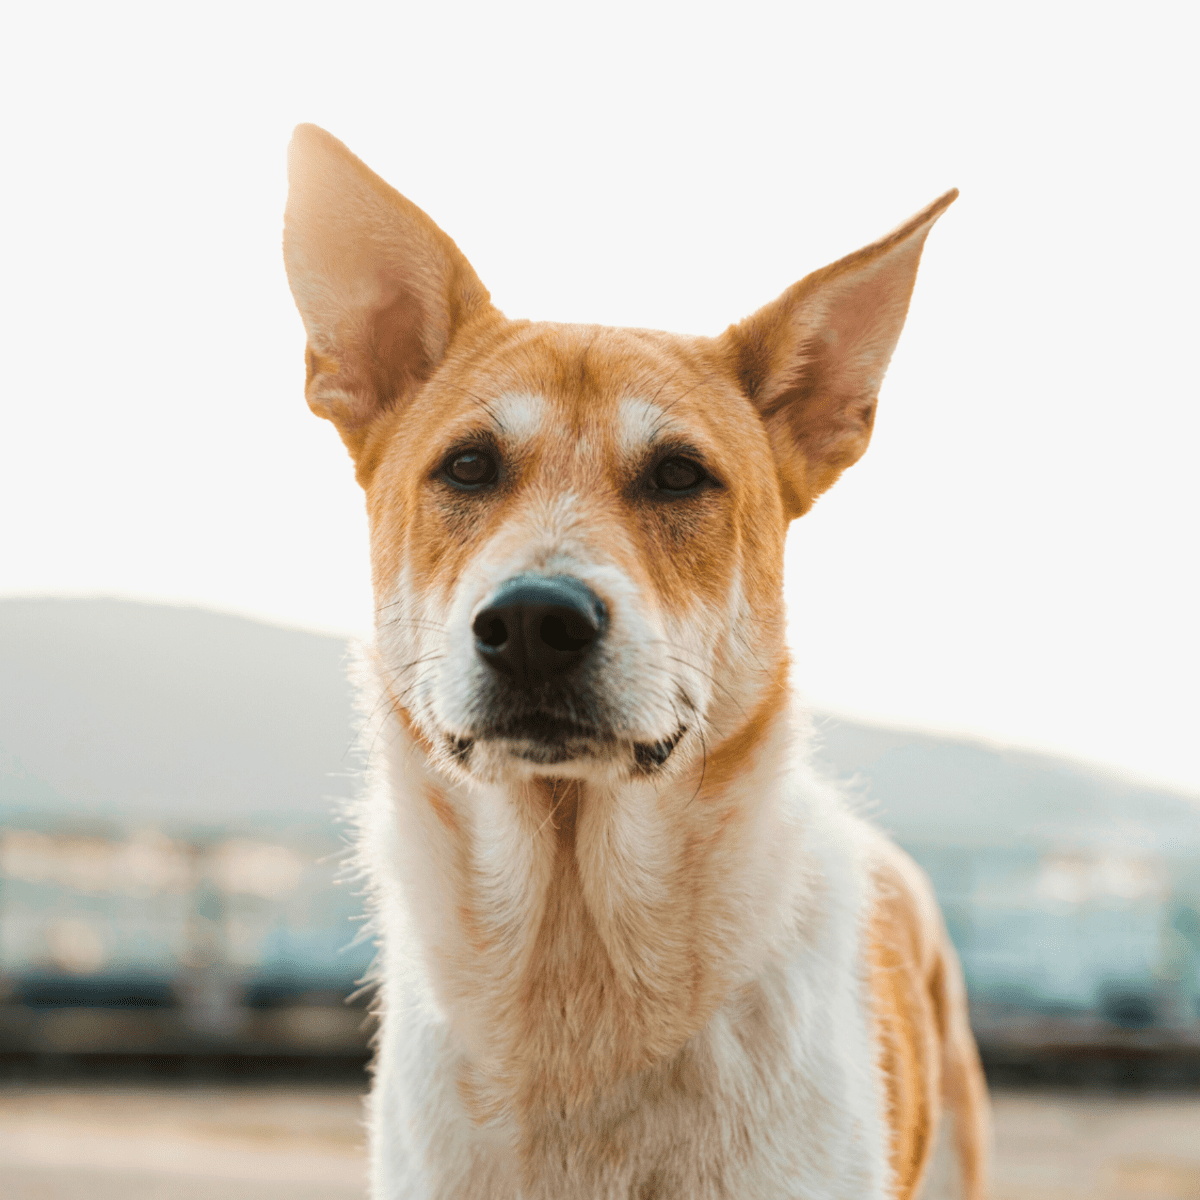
674 1022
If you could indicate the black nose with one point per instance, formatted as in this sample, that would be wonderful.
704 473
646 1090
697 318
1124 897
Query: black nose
535 627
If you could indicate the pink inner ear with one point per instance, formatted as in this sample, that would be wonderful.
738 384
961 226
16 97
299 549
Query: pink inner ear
397 359
379 364
828 422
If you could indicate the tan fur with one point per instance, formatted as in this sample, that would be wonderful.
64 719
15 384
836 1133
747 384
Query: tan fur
701 977
926 1049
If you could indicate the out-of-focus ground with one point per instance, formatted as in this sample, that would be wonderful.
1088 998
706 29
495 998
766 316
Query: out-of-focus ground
1071 1145
181 1143
80 1142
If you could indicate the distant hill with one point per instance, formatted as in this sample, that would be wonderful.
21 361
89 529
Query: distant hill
115 714
928 789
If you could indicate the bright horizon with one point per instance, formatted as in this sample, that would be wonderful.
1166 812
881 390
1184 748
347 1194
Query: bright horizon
1014 558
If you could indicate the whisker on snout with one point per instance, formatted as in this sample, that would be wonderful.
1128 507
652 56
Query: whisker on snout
416 662
712 679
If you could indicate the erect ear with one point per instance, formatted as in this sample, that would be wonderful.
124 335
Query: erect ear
382 290
812 361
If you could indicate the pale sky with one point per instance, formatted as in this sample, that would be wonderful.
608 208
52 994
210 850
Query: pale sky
1016 555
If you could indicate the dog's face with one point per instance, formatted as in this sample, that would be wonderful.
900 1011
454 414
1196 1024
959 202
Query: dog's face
577 532
574 568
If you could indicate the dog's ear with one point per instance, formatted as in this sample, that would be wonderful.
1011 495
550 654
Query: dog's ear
382 290
812 361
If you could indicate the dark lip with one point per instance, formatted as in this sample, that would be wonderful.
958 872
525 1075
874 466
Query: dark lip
546 729
547 740
550 739
650 756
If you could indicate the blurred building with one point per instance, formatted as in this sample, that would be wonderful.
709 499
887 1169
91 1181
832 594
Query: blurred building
1072 895
133 944
1073 933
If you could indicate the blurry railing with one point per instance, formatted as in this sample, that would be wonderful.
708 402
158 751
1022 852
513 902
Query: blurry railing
152 944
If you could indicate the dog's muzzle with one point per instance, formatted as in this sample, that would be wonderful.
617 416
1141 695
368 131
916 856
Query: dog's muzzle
539 636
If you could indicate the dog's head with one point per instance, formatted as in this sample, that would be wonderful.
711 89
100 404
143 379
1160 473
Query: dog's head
577 532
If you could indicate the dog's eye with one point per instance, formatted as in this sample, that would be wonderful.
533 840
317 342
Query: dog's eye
678 475
470 468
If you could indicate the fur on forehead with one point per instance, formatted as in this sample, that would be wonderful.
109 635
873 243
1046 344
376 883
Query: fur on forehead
586 372
524 381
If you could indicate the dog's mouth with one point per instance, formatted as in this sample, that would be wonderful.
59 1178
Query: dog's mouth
652 756
548 739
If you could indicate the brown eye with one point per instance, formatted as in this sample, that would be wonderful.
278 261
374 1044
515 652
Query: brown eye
678 475
470 468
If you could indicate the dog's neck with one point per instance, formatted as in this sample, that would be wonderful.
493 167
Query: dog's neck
576 934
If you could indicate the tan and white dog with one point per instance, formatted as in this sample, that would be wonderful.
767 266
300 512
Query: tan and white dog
631 945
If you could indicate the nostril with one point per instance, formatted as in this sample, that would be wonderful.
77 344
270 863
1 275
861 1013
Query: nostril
491 631
567 632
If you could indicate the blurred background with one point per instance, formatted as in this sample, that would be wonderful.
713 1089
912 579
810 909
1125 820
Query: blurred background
177 932
993 614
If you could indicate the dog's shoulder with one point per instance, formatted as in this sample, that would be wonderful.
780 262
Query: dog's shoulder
911 972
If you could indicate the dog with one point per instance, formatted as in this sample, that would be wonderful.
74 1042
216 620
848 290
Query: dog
631 943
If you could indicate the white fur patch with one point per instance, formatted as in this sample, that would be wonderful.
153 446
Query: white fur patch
639 424
520 415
